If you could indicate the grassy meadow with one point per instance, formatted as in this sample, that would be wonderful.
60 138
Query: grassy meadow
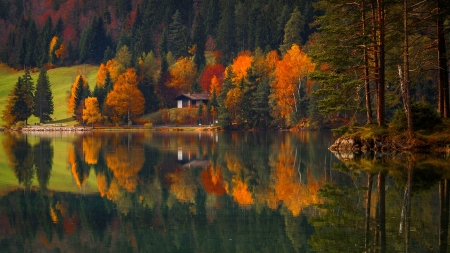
61 80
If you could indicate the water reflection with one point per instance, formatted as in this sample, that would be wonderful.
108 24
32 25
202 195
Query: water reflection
209 191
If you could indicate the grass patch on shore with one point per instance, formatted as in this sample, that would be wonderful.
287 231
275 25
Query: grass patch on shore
61 80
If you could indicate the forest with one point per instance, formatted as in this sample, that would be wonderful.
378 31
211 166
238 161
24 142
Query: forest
267 64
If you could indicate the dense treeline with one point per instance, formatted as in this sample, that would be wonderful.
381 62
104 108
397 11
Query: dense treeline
66 32
266 64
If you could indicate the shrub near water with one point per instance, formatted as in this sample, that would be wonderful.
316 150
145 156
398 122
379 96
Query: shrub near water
424 117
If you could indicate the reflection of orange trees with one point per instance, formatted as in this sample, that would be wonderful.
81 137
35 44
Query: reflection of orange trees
288 188
183 185
213 181
91 149
241 193
102 184
118 195
80 178
125 163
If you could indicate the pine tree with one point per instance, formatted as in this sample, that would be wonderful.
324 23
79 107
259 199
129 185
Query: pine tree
163 50
226 31
212 17
292 31
178 36
199 39
19 105
44 41
147 88
31 53
223 114
261 105
43 97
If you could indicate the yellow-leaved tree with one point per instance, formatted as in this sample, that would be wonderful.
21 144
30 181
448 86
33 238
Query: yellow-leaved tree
126 99
91 111
183 74
291 74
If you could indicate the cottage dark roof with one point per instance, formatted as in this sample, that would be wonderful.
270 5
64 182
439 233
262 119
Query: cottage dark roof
194 96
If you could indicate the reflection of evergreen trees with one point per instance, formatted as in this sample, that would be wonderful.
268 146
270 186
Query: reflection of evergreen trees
26 160
43 161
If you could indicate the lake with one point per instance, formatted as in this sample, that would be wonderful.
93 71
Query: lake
216 192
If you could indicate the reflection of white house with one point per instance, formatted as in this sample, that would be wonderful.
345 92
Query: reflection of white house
191 100
188 159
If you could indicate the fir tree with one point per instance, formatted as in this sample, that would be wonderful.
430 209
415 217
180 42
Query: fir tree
178 37
43 97
19 105
226 31
292 31
199 39
147 88
223 114
261 105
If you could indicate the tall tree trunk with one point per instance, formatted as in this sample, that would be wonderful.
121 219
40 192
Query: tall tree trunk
443 92
381 59
375 50
366 68
406 86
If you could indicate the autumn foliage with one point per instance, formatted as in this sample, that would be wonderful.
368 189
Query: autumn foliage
126 99
291 73
184 74
211 72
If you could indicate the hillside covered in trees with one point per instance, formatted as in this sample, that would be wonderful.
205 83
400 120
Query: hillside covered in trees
85 29
266 64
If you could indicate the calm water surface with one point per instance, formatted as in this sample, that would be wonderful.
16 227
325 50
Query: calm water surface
216 192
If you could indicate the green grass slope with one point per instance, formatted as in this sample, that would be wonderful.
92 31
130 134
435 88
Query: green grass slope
61 80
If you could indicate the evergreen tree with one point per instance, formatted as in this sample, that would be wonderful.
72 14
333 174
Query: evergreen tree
223 114
44 41
200 113
199 39
281 23
195 88
147 88
93 42
178 36
212 17
292 31
163 50
19 105
226 31
108 84
43 97
261 104
242 26
31 53
108 55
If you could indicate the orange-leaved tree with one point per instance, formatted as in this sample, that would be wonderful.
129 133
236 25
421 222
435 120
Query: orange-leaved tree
183 74
240 66
91 111
291 74
126 99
